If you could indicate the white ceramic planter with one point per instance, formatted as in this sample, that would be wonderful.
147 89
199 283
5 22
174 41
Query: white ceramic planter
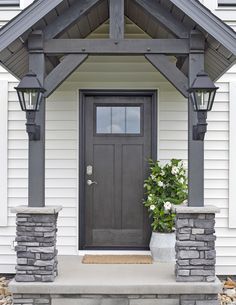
162 246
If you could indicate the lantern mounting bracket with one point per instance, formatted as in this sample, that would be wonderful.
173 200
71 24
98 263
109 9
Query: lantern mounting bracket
32 128
200 129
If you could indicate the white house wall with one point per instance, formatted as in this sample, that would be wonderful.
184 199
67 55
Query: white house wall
131 73
228 232
62 148
6 13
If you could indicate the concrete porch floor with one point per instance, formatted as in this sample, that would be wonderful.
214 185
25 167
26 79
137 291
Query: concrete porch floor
77 278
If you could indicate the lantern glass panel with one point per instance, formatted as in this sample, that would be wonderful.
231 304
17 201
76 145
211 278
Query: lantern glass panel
21 99
40 97
31 100
211 99
201 100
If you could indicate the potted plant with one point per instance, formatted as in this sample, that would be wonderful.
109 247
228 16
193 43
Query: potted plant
165 187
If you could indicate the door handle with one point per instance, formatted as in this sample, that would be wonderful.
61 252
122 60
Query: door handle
90 182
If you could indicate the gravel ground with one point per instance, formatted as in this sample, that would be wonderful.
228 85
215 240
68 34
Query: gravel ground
228 296
5 295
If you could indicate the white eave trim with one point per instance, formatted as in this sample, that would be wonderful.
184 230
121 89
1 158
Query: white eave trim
4 152
232 155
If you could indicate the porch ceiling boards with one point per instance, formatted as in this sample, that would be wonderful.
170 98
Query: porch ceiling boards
40 15
80 18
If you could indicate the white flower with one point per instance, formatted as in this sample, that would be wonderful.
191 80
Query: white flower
167 206
175 170
160 183
152 207
153 177
150 197
162 173
181 180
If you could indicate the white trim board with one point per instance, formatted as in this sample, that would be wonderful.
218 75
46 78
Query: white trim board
25 3
232 155
3 151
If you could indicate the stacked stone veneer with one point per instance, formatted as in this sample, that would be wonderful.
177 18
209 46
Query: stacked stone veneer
31 299
95 299
195 244
36 233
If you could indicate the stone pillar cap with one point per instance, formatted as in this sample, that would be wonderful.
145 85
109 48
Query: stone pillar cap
36 210
208 209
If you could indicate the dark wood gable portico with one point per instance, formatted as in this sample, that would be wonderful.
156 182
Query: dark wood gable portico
49 38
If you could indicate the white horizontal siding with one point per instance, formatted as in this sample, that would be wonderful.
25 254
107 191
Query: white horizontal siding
61 170
226 231
7 13
226 243
217 191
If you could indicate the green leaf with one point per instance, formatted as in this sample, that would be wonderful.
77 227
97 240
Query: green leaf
174 192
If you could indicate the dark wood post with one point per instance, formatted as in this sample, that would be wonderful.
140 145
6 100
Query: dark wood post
195 148
36 178
117 17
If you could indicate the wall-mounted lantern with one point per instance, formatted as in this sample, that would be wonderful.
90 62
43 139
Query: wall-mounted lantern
30 94
202 93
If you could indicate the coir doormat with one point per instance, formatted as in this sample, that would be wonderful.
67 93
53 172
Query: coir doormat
117 259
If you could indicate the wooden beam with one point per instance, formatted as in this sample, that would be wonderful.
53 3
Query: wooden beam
195 148
170 71
56 77
117 19
69 17
36 168
109 46
164 17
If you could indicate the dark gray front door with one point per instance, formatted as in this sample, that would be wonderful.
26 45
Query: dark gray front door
117 146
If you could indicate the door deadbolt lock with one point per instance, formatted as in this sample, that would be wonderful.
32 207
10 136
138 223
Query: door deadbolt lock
89 170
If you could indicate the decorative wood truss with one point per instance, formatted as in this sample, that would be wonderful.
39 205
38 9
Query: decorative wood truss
51 38
65 25
75 51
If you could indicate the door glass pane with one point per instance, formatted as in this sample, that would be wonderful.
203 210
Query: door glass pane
103 119
133 119
118 120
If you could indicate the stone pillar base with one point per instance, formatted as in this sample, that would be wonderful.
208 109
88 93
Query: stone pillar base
195 244
36 251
